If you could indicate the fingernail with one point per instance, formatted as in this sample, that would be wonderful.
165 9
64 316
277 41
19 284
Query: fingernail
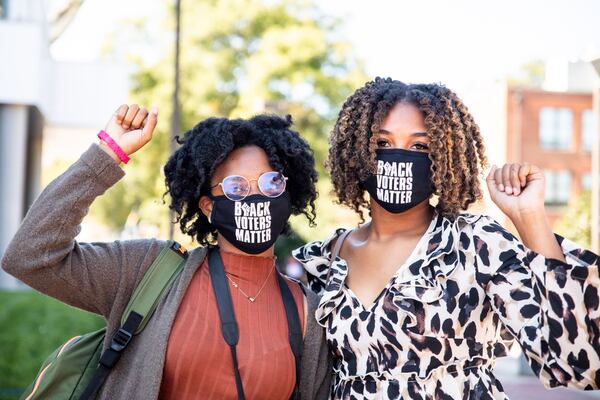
508 190
154 110
501 187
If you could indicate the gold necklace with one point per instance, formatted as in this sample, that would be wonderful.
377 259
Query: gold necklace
252 299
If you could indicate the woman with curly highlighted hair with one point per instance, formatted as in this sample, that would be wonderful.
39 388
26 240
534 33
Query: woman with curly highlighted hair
229 325
419 301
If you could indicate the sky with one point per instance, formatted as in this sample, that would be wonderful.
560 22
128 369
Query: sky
457 42
467 41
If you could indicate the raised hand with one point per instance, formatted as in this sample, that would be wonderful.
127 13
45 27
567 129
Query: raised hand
517 189
131 126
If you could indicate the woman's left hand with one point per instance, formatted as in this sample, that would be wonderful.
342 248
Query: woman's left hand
517 189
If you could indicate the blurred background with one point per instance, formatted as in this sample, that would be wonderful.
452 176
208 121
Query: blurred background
527 70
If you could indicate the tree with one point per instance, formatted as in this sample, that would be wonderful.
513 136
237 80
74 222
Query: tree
575 223
239 58
531 75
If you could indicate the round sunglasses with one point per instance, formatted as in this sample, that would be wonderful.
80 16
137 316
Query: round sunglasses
237 187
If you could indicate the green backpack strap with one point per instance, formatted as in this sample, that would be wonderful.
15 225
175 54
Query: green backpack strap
155 283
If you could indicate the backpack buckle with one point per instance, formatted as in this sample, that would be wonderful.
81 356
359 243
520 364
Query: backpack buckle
120 340
179 248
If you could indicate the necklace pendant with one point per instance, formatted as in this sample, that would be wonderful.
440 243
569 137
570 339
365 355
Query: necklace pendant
251 299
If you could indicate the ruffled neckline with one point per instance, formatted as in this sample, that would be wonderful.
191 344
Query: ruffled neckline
420 278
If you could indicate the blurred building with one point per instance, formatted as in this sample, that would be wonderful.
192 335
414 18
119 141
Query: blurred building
552 127
554 131
44 104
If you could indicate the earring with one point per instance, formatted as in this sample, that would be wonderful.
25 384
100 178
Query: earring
209 215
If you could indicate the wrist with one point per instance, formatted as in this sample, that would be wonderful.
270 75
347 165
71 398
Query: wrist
531 223
529 217
113 146
110 152
536 234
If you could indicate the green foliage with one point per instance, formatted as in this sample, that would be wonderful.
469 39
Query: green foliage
575 224
530 75
285 245
54 170
238 58
33 326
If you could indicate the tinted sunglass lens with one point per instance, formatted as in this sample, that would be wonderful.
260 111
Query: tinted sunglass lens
272 184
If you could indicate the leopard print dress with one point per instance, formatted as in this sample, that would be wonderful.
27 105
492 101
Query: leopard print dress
465 294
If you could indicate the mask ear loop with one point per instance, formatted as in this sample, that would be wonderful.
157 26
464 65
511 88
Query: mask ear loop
209 217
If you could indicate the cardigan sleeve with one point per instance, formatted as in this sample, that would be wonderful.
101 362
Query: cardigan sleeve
550 307
45 255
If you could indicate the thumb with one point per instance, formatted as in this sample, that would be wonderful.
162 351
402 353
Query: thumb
150 125
491 181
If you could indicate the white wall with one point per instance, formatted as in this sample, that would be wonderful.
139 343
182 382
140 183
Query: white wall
13 150
566 76
69 94
72 98
85 95
21 62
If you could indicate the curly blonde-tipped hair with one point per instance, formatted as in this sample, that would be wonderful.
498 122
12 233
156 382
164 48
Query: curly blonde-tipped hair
455 142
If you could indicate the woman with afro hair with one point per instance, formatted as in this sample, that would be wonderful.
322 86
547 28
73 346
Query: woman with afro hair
233 183
419 301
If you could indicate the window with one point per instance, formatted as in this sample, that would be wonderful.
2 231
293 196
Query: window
3 9
587 130
558 187
556 126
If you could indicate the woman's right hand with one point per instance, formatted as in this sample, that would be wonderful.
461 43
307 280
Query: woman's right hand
131 126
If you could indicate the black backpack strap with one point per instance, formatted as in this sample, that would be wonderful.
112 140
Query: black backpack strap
294 328
110 356
161 274
229 327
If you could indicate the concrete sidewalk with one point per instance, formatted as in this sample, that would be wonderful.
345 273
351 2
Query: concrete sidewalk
528 387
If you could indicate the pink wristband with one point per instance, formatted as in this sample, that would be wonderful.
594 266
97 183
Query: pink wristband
114 146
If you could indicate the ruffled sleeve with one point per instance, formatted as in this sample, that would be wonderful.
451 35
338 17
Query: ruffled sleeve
314 257
551 307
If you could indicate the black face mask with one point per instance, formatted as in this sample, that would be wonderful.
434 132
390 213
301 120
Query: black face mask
253 224
403 179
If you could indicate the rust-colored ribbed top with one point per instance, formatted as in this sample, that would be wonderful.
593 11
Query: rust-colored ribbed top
198 362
